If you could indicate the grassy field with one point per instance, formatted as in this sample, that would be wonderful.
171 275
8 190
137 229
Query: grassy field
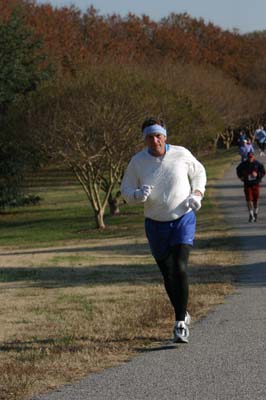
75 300
64 213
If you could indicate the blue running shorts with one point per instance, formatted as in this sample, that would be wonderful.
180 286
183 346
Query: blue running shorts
164 235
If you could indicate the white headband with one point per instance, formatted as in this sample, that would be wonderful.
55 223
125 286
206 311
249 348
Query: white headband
154 129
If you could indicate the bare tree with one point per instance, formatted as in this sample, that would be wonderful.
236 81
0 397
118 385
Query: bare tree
93 125
222 103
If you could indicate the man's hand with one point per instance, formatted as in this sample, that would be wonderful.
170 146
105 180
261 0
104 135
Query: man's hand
143 193
194 202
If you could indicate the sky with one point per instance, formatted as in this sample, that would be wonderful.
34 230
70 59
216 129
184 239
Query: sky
244 15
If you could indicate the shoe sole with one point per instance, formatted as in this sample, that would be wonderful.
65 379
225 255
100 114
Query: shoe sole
180 340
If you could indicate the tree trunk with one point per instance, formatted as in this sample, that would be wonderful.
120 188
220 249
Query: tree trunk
99 219
114 203
215 141
228 144
114 207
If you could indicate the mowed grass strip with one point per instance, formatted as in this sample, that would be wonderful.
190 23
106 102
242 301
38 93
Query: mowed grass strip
94 299
63 214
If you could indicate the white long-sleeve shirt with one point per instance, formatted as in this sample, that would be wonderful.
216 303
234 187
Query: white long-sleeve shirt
173 177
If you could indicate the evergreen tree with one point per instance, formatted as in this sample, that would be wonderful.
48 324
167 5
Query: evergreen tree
22 69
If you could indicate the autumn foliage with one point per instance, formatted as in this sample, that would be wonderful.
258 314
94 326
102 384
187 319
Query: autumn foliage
74 39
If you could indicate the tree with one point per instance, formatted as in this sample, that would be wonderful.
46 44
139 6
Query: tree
22 69
22 66
92 125
217 104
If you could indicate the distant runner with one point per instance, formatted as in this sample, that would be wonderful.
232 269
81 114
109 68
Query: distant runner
260 138
170 182
245 148
241 138
251 173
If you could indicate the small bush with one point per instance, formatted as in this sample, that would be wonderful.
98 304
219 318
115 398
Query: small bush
21 201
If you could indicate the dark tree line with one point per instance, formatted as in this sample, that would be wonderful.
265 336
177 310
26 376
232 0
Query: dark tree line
22 69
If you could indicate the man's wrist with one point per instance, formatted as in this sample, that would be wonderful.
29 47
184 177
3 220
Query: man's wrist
197 193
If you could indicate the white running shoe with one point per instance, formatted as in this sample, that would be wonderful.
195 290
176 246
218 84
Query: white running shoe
181 332
187 319
251 219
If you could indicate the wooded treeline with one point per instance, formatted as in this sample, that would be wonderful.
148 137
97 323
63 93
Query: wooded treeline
73 40
75 87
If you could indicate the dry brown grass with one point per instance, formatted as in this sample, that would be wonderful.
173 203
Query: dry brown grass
65 312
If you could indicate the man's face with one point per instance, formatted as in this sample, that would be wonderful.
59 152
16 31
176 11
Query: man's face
156 144
251 158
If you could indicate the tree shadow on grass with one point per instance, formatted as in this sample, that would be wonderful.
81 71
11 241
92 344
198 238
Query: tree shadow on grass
50 277
91 276
255 242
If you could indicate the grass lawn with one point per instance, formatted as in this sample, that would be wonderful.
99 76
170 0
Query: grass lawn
64 212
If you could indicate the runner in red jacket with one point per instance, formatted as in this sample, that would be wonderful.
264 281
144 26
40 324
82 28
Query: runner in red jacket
251 173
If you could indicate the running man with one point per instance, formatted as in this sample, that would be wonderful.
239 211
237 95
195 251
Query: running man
251 173
170 182
260 138
245 148
242 137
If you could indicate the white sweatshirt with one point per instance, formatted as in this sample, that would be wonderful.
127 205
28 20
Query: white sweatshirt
174 176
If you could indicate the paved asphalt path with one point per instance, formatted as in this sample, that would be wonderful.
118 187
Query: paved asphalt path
225 358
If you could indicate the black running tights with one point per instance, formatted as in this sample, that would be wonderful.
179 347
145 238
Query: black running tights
174 271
